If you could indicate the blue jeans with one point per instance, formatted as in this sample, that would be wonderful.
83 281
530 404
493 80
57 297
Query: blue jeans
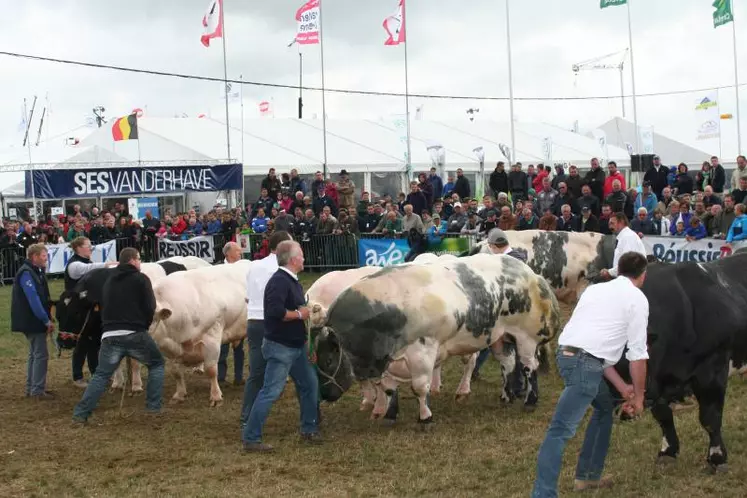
584 386
255 334
36 367
238 362
282 361
139 346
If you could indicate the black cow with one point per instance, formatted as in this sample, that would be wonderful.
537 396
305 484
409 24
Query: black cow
696 324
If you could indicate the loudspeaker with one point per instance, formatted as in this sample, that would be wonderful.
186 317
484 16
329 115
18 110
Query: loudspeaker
641 163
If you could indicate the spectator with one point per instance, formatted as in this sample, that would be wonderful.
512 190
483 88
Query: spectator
457 220
660 225
542 173
587 222
259 222
703 178
26 238
347 225
683 183
448 187
412 221
416 198
709 199
327 223
298 202
711 220
392 224
296 184
740 195
604 220
560 177
700 210
613 175
306 227
641 224
425 187
499 180
436 232
740 172
284 222
567 220
665 200
531 176
330 188
317 185
462 187
322 201
491 221
725 218
363 204
617 199
368 222
546 198
214 224
548 221
448 207
271 185
518 184
574 182
286 203
150 224
502 200
528 220
229 228
683 216
588 200
507 221
647 199
656 176
679 230
163 231
75 232
472 225
437 184
401 201
564 197
718 180
264 201
346 191
738 229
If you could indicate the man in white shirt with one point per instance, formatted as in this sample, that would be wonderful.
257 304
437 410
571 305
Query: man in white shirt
256 281
627 241
588 348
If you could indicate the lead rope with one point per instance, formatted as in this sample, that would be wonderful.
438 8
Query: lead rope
313 359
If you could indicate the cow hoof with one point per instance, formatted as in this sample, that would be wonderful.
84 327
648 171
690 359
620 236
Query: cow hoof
718 469
666 460
461 398
215 403
388 422
376 415
136 392
176 401
426 424
530 408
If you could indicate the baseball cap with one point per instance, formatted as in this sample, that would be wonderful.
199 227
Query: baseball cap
656 157
585 208
457 204
497 236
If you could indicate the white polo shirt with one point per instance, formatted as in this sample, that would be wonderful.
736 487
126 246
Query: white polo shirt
256 281
607 317
627 241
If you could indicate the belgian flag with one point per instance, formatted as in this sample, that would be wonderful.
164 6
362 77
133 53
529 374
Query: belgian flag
125 128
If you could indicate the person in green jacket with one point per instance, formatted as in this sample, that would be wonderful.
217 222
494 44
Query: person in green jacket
75 231
393 224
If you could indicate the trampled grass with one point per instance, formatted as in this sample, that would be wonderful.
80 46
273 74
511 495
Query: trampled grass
479 448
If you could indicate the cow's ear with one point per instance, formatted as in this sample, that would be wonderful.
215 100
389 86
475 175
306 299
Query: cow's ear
163 314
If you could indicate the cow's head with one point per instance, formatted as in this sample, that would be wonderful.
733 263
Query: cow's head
318 316
333 366
71 310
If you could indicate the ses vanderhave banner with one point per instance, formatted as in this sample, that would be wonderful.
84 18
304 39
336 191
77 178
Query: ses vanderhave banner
69 184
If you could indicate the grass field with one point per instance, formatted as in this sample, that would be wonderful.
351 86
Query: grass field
477 448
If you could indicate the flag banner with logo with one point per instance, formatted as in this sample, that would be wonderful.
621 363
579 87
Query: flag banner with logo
121 182
395 26
212 22
382 252
723 13
60 254
230 92
611 3
677 250
708 116
200 247
647 139
308 23
450 245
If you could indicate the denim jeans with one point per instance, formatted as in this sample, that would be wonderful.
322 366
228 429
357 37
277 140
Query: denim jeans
139 346
255 334
238 362
87 348
36 367
584 386
282 361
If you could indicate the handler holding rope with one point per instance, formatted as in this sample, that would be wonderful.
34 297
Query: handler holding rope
127 310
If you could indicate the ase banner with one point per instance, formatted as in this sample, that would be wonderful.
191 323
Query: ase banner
382 252
125 182
60 254
201 247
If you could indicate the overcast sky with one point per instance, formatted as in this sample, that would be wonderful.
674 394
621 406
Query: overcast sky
454 48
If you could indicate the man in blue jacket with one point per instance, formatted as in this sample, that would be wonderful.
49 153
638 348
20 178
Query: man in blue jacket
29 314
738 229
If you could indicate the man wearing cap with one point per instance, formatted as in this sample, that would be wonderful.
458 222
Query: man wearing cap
647 200
457 220
587 222
323 200
656 176
346 191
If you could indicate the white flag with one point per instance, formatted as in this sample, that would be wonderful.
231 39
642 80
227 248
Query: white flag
213 22
308 23
227 90
708 117
647 139
395 26
601 137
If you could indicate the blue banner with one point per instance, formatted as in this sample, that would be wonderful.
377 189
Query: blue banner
382 252
137 207
125 182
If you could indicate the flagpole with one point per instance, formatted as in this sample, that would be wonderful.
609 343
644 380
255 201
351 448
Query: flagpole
27 143
632 76
736 79
510 82
225 80
408 166
241 96
324 103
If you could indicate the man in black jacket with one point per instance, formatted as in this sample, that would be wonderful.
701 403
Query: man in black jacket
595 179
499 180
127 310
657 175
719 176
518 185
461 186
272 184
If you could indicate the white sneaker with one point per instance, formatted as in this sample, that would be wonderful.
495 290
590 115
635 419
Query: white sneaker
80 383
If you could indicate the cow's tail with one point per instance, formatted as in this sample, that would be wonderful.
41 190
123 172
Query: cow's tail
543 355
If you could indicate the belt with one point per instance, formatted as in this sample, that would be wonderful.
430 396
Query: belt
579 351
255 320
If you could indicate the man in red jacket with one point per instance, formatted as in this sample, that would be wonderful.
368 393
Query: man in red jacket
611 177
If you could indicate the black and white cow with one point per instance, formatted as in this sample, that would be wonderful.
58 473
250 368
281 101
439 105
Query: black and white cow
697 323
397 324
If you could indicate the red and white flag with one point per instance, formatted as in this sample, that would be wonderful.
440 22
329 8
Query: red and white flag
395 26
213 22
264 108
308 23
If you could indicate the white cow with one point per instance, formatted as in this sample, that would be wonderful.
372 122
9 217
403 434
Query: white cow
189 262
397 324
196 312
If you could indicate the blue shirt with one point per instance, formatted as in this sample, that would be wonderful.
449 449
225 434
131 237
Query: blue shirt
448 189
259 225
738 229
213 227
698 232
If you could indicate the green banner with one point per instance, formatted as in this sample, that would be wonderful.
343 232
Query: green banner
611 3
723 14
454 245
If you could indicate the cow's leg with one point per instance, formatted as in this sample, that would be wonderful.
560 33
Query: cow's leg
436 381
137 380
211 353
507 359
709 387
381 402
526 349
369 395
119 379
670 443
181 384
464 389
421 361
389 408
